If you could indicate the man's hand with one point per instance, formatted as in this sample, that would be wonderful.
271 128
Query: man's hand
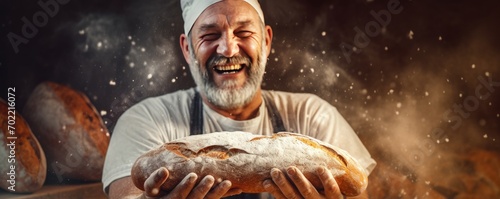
299 187
187 188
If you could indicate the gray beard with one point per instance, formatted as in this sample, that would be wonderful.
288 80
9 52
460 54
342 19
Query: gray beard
227 96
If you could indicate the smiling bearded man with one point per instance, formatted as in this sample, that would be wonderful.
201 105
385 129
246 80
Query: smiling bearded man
228 95
226 44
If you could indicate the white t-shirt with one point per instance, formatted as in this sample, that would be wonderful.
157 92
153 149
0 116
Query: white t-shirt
158 120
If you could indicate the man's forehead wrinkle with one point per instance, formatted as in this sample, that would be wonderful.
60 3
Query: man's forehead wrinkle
245 22
207 26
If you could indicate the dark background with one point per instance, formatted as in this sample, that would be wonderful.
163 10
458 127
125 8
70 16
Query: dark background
399 91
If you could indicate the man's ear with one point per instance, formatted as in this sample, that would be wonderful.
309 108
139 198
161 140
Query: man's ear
183 41
269 38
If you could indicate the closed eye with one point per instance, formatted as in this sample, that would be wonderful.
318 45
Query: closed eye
210 37
244 34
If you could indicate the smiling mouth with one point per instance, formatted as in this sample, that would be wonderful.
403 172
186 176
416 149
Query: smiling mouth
228 69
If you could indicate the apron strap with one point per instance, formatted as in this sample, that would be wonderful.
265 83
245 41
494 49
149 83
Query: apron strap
196 122
274 114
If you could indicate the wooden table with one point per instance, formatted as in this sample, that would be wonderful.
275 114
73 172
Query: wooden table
89 190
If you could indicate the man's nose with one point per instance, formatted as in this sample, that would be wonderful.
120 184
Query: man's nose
228 46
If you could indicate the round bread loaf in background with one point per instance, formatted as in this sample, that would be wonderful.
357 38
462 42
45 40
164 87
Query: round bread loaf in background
23 167
70 130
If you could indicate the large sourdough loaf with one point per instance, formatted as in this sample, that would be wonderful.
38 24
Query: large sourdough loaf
246 160
23 168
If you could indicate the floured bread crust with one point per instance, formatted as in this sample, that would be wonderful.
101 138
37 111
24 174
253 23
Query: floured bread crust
246 160
21 154
70 130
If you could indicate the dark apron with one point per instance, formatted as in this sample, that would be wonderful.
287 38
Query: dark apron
196 125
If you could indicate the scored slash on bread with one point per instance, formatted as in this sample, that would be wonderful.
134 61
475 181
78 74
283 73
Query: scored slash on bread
246 160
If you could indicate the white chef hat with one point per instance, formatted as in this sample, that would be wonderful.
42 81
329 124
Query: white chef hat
192 9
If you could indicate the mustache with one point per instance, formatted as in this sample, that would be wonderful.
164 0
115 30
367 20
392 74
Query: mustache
223 60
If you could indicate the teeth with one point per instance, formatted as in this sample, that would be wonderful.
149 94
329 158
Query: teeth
228 67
